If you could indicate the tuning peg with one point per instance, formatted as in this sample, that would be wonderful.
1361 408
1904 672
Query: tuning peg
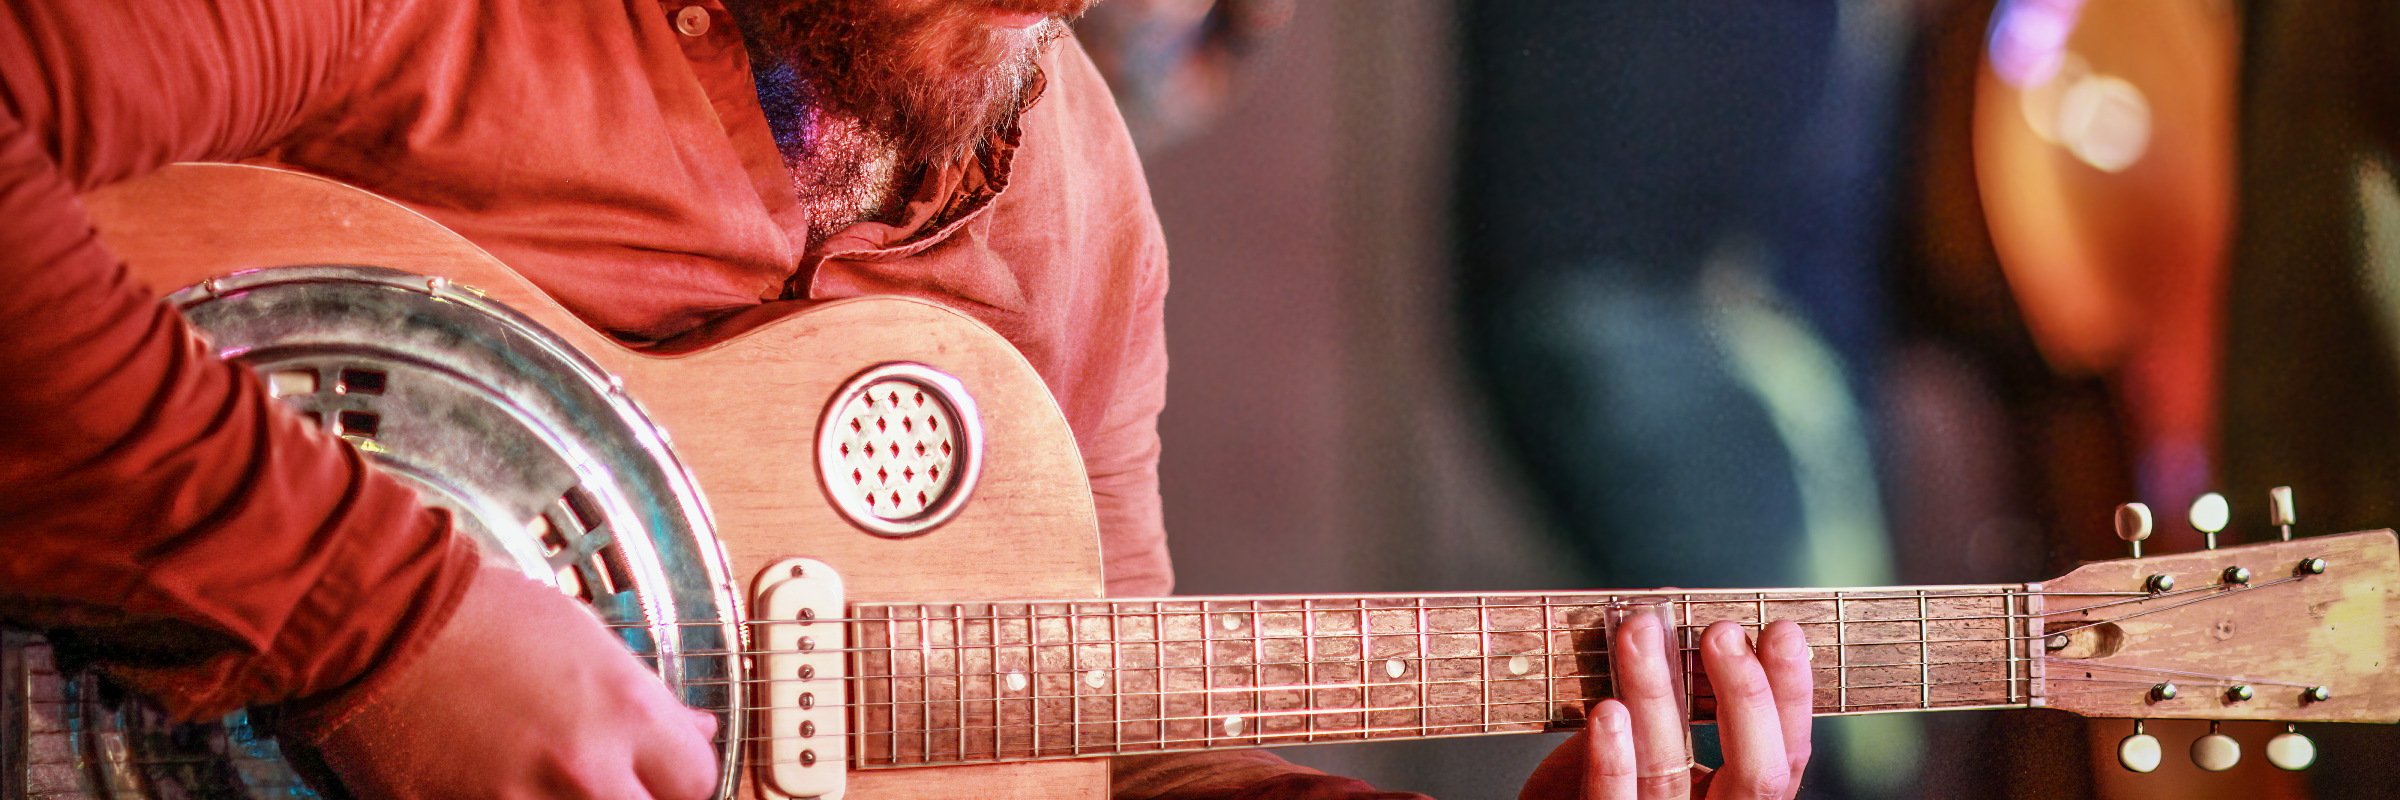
2291 751
2133 525
2216 752
2209 515
2279 510
2139 752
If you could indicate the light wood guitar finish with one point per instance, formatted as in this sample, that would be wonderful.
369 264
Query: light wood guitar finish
743 411
985 663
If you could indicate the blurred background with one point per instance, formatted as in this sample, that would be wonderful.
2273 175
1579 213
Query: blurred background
1573 295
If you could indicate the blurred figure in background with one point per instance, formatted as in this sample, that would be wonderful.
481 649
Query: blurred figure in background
1672 229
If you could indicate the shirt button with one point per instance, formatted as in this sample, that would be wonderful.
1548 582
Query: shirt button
692 21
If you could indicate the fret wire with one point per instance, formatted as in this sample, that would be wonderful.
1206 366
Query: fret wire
1159 628
1366 652
1033 667
1208 673
1308 652
1075 686
958 659
925 678
1924 653
1424 672
2012 604
1690 663
1116 664
891 684
993 617
1483 661
1258 697
1841 649
1549 668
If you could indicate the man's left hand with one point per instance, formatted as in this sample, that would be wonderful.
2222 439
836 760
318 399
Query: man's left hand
1636 747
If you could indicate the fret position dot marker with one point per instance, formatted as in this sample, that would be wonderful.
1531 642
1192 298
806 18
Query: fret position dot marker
1232 623
1096 679
1395 668
1233 726
1519 665
1016 681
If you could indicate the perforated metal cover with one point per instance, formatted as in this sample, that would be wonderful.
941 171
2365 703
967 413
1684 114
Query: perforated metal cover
536 452
899 449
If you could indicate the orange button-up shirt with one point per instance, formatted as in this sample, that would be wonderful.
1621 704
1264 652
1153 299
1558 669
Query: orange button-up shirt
619 163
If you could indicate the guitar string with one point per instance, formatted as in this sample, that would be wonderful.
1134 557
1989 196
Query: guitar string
1198 616
1121 609
2206 593
1352 604
897 649
1083 673
947 707
1369 688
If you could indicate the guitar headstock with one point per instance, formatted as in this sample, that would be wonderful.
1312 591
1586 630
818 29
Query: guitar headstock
2301 630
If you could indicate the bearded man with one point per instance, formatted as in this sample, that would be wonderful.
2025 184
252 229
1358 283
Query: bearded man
655 166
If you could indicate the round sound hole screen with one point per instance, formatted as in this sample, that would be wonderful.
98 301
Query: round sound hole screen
897 453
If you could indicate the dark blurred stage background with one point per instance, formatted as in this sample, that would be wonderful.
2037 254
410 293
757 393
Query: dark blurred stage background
1624 294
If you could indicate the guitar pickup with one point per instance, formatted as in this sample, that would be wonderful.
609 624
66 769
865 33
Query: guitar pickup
803 641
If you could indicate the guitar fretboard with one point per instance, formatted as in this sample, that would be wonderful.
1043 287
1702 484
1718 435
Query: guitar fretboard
987 682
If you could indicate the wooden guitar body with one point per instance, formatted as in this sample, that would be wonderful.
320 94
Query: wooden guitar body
743 411
983 662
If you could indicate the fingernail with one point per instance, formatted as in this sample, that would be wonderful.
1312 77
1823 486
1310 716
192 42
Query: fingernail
1606 722
1793 648
1734 631
1636 642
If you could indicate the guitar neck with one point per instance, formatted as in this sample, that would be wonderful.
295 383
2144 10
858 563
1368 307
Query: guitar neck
1014 681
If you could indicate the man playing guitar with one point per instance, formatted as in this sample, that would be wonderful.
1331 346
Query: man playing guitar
657 167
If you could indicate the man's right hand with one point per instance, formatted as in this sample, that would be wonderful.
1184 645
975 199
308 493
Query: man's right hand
521 695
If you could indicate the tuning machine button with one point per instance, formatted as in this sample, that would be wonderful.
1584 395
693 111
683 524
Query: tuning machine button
2279 510
2209 515
2133 525
2291 751
2139 752
2216 752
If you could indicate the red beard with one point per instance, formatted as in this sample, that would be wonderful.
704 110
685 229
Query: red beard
933 82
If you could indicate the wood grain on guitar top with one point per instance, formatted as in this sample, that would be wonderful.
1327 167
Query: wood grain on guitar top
742 411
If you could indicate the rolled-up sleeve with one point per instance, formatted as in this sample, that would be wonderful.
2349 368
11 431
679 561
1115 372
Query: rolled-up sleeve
159 513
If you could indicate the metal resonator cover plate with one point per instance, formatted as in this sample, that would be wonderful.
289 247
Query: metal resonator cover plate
531 446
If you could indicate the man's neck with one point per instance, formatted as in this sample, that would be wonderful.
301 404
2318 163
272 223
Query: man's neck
844 175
